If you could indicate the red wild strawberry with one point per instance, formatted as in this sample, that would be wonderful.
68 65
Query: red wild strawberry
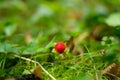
60 47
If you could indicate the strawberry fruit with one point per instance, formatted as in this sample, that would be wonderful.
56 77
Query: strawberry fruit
60 47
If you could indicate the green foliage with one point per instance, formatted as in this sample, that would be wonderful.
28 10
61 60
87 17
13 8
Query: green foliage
109 41
113 20
7 47
31 28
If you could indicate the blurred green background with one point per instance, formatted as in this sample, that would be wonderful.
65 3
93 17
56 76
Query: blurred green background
45 19
36 25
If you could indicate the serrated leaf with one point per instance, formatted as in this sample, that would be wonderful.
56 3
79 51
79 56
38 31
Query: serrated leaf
7 47
113 20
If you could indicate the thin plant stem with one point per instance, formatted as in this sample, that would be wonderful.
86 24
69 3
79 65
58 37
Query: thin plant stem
27 59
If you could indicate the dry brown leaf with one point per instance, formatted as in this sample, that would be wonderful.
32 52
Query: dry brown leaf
97 31
112 71
28 37
37 72
81 37
70 44
77 48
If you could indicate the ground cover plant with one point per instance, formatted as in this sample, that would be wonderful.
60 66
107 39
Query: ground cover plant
59 40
